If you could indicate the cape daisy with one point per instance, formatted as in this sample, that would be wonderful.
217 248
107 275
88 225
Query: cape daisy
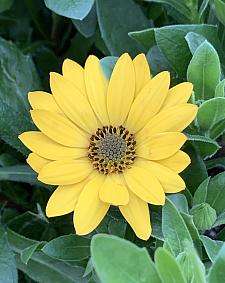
113 142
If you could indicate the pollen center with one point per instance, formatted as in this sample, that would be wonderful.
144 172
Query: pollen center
112 149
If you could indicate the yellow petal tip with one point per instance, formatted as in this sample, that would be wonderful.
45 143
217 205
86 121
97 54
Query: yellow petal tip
145 236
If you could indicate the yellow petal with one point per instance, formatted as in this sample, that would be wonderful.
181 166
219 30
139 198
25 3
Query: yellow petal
142 72
121 90
43 100
64 199
177 162
136 212
145 185
114 190
65 172
47 148
96 85
173 119
36 162
59 128
161 146
169 179
90 210
73 103
75 74
148 102
178 94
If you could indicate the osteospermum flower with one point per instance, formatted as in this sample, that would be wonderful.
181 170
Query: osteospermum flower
113 142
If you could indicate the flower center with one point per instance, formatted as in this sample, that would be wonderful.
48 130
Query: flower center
112 149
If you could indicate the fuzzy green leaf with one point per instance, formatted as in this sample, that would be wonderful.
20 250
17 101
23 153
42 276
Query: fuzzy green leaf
19 173
68 248
217 271
204 71
219 8
206 146
212 247
174 228
204 216
74 9
168 269
117 260
210 113
192 266
8 272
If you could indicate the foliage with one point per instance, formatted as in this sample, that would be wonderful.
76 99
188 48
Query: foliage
185 37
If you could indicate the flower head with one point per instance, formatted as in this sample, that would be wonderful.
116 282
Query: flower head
113 142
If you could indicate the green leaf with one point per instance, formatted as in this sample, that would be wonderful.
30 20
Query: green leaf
156 222
196 171
88 25
158 61
89 268
204 216
19 173
174 228
68 248
18 76
42 268
107 65
212 192
219 9
29 224
212 247
219 91
218 129
200 195
220 220
215 193
171 41
205 146
74 9
188 219
6 159
79 48
188 8
117 227
27 253
204 71
8 272
194 40
217 271
45 59
145 37
180 201
168 269
192 266
210 113
114 25
217 162
13 123
5 5
117 260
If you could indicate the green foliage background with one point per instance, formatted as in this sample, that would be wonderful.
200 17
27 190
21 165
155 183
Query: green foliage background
186 37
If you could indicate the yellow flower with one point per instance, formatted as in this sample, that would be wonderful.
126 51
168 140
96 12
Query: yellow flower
113 142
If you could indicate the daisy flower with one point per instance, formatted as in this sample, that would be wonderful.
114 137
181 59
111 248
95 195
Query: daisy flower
109 142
